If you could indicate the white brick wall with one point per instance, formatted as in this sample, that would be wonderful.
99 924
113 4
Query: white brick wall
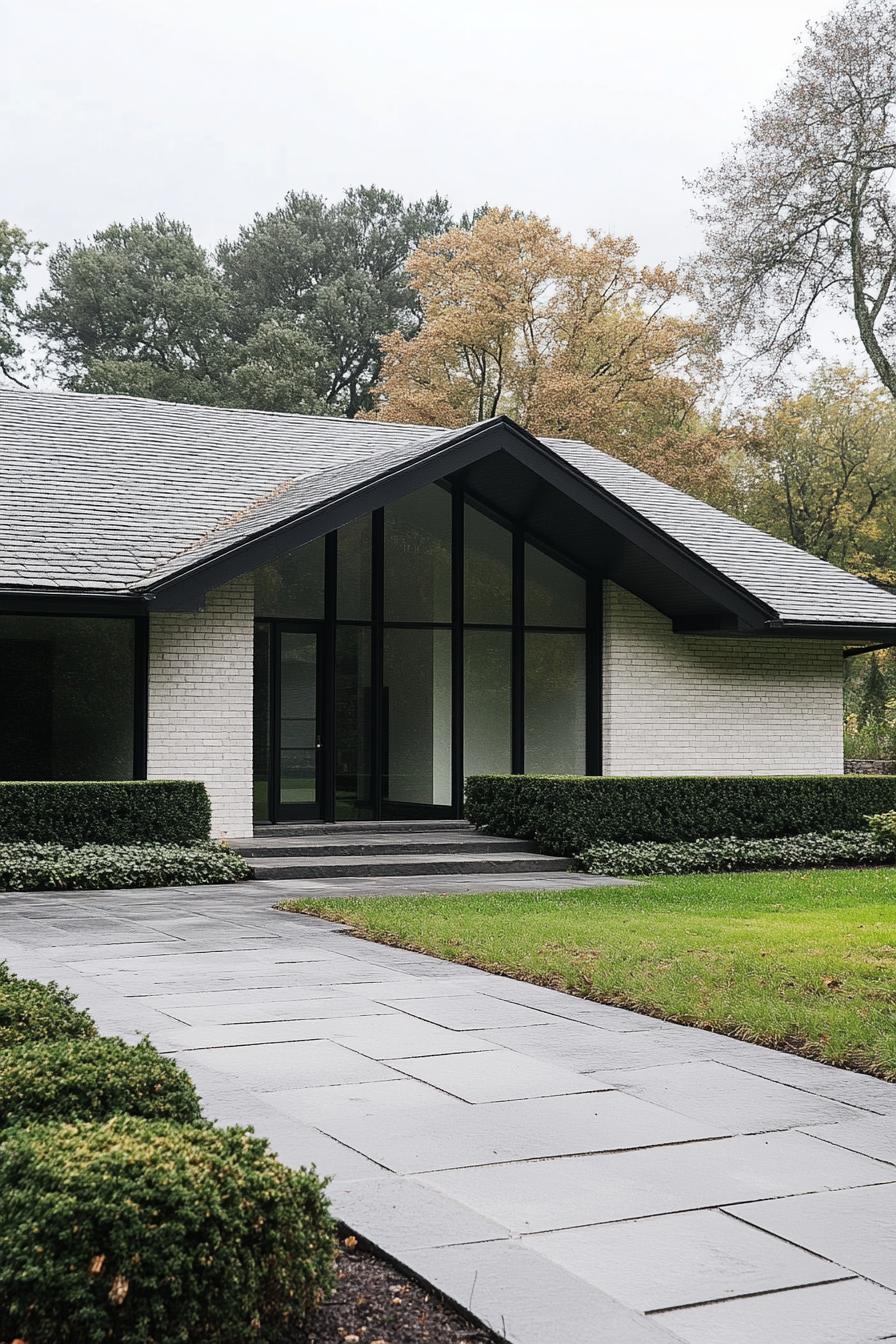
200 701
686 704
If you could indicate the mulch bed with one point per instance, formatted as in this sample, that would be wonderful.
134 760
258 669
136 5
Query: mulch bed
374 1303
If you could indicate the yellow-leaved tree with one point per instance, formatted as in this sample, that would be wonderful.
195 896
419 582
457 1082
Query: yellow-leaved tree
570 340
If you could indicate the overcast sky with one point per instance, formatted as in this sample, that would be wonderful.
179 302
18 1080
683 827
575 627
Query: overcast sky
211 110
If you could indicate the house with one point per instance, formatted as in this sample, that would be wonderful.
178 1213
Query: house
337 619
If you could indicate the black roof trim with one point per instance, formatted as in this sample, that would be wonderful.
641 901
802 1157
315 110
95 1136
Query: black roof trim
185 588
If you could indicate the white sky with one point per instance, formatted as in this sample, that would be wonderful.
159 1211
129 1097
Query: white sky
208 110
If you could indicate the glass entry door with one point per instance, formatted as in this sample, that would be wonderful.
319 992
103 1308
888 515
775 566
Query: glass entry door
297 722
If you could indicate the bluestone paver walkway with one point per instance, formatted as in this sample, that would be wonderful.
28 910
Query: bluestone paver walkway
565 1170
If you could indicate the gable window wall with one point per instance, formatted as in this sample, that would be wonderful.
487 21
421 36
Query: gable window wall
422 643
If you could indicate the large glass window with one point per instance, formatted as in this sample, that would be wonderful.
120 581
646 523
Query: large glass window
488 570
66 697
293 587
417 557
417 714
555 595
353 726
353 570
555 703
488 710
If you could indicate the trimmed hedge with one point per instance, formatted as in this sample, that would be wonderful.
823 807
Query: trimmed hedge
649 858
32 867
92 1080
32 1011
137 1230
565 815
118 812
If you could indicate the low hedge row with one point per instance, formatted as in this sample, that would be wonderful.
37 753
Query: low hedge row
139 1230
565 815
115 812
54 867
650 858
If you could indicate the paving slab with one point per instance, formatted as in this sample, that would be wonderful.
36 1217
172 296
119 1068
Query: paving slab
526 1299
376 1102
571 1171
579 1190
473 1137
741 1103
268 1068
854 1312
873 1135
855 1228
681 1259
500 1075
398 1210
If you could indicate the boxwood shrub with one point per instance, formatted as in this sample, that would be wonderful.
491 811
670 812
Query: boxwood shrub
118 812
648 858
565 815
144 1230
33 1011
92 1080
52 867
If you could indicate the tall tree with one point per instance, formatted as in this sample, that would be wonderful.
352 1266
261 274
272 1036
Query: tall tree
327 280
803 211
570 340
821 472
17 253
139 309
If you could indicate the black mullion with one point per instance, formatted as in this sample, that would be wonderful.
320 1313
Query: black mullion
518 685
594 678
377 598
274 808
141 695
457 649
327 682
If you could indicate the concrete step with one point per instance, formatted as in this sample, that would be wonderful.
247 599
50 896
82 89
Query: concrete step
413 865
302 828
398 843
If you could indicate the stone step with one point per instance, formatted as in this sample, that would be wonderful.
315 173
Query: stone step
414 865
301 828
398 843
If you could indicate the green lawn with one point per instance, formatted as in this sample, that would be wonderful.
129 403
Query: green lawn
805 961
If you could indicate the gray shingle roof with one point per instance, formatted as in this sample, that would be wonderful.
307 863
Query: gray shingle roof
109 494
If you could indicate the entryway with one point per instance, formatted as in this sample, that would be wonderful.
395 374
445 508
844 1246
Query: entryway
392 849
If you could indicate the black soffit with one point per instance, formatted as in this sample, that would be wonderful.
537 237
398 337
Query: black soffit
518 476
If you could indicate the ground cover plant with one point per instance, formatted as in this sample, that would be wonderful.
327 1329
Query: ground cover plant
54 867
803 961
646 858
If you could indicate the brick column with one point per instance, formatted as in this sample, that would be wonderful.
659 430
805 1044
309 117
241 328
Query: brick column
200 702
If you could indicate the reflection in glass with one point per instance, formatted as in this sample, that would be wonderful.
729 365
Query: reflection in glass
66 697
298 717
555 703
293 587
417 558
261 724
353 570
488 570
417 716
554 594
487 702
353 729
